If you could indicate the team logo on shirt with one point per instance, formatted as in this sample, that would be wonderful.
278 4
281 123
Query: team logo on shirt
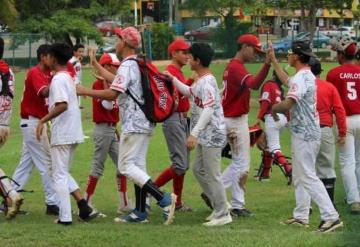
265 95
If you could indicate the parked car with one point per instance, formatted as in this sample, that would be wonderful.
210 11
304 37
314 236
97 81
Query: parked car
201 33
107 27
341 31
320 40
106 48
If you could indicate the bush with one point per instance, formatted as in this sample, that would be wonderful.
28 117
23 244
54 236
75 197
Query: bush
161 36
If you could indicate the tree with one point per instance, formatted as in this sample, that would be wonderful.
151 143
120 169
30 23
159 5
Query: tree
59 20
226 10
8 12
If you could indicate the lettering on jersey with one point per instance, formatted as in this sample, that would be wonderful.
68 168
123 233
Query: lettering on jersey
198 102
350 75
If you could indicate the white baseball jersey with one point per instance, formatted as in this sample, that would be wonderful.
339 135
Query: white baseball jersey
205 93
77 67
6 102
133 119
304 122
66 128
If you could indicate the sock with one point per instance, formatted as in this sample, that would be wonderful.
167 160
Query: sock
142 200
122 189
165 177
267 162
137 197
329 184
178 184
91 185
153 190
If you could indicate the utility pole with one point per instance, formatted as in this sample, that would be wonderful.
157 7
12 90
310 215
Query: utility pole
135 12
171 3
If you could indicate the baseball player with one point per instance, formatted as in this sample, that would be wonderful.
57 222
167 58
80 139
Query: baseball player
66 133
272 93
175 128
305 140
208 132
346 79
75 61
106 137
136 128
328 104
33 107
13 199
238 82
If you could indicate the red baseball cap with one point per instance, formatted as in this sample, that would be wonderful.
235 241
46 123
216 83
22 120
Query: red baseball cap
109 58
252 40
130 35
178 44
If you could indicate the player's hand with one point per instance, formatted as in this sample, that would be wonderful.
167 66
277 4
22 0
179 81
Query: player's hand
194 76
275 116
80 90
191 142
39 130
4 133
168 75
341 140
92 54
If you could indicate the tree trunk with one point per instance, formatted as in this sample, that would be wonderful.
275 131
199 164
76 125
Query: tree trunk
312 23
303 22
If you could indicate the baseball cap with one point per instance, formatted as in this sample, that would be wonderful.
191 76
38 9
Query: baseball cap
301 47
344 44
315 66
252 40
178 44
130 35
109 58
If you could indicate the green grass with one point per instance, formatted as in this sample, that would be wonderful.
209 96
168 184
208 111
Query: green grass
271 202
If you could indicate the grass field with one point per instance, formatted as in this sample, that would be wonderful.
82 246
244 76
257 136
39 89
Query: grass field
271 202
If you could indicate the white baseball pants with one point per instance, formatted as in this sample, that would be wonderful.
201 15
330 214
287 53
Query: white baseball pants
64 183
240 165
132 157
349 156
307 185
36 153
273 130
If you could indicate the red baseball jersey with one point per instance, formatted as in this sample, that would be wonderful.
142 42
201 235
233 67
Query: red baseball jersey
32 103
100 114
329 102
236 95
270 95
184 104
346 79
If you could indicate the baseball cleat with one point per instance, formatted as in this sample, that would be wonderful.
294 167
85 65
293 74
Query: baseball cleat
64 223
226 219
355 208
183 208
211 216
168 206
134 217
122 209
329 226
52 210
241 212
14 208
293 221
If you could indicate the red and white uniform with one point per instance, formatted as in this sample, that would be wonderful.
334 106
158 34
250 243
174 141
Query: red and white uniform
271 94
346 79
33 107
237 82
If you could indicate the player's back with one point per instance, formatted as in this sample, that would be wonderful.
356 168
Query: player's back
346 79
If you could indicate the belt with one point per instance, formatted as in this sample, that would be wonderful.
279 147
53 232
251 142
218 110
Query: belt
29 117
107 123
324 126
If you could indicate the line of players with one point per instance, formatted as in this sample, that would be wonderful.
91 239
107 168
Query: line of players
235 102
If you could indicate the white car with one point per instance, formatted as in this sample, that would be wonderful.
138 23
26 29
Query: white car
341 31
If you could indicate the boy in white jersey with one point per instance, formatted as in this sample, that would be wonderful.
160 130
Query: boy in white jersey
305 139
66 133
136 128
208 134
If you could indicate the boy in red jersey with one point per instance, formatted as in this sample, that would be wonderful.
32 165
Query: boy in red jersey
175 128
106 137
346 79
272 93
236 103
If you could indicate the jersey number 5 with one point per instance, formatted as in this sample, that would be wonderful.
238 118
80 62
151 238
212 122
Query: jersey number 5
352 93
